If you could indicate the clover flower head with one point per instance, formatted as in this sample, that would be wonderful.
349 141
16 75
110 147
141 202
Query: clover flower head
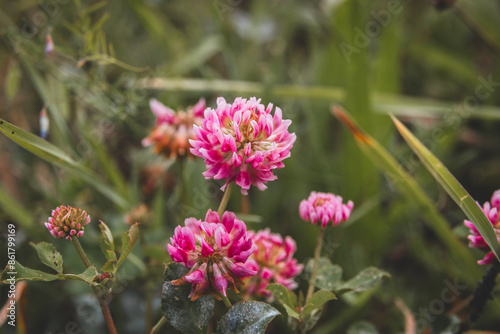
325 207
67 222
214 250
172 130
273 260
490 209
243 142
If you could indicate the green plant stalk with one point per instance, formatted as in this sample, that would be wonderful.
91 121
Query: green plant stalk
102 298
225 198
156 329
225 300
81 252
317 252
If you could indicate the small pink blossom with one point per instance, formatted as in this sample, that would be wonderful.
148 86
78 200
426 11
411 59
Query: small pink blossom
325 207
490 209
214 251
243 142
273 260
173 130
67 222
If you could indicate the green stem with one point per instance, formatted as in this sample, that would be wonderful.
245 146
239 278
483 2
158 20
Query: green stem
162 322
225 198
80 251
317 252
225 300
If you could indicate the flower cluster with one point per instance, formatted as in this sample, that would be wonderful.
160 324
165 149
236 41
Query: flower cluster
214 251
325 207
273 260
243 142
66 222
173 130
490 209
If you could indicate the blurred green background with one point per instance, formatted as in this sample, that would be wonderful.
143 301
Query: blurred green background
433 64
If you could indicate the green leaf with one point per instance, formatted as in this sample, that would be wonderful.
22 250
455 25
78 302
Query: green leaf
282 294
109 266
87 276
362 327
328 275
22 273
367 278
320 297
49 255
129 239
312 311
248 317
107 243
183 314
56 156
452 187
291 312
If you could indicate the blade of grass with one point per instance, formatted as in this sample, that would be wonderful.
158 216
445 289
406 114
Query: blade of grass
382 102
452 187
414 193
44 90
112 171
54 155
482 17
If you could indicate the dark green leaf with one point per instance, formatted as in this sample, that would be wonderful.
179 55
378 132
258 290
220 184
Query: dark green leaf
183 314
328 275
22 273
249 317
367 278
129 239
49 255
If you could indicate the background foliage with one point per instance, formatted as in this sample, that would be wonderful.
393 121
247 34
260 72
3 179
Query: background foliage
435 70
